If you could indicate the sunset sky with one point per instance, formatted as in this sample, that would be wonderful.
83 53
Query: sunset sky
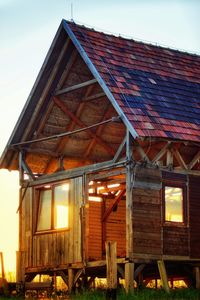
27 28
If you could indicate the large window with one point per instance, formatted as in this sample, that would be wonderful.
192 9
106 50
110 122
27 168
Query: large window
174 203
53 210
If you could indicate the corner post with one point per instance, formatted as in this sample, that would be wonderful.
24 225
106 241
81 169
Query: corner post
129 196
111 269
129 266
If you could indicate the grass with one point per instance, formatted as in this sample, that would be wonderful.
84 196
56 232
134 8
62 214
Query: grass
146 294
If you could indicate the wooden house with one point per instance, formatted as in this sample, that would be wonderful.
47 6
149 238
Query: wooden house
108 149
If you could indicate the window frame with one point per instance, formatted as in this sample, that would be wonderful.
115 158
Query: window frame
51 187
183 186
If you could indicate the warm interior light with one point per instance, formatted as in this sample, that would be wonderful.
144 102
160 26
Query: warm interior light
65 187
95 199
61 218
113 185
173 204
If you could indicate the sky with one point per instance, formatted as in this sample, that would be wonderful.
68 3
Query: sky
27 28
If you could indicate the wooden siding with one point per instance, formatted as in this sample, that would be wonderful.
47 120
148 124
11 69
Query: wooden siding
52 248
194 216
115 227
95 230
175 240
147 221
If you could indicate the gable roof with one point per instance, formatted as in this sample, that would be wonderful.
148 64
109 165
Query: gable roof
154 90
158 89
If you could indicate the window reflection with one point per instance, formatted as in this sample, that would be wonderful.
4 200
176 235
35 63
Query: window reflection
173 204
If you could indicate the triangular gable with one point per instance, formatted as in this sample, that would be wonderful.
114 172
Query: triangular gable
154 90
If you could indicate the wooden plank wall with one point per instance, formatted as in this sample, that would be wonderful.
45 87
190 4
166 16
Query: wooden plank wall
147 221
175 240
95 231
52 248
115 227
194 216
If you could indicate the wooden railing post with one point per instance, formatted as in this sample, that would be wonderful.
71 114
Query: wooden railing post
2 265
111 268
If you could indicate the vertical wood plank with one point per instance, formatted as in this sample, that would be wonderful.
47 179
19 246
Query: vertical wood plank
163 275
197 277
129 200
129 277
111 264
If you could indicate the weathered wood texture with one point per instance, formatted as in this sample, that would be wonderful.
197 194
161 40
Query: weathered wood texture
95 230
175 240
194 213
52 248
147 221
114 229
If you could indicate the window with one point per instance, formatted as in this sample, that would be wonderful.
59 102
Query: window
174 203
53 210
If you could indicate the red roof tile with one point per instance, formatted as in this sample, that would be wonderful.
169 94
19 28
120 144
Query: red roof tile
158 89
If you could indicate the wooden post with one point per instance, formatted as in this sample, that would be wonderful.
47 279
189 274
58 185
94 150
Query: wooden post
111 268
2 265
129 277
163 275
70 280
20 266
129 200
197 277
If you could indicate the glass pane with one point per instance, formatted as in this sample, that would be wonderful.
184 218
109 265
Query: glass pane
44 214
173 204
61 201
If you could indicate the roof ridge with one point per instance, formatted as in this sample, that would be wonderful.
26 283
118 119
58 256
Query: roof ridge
134 39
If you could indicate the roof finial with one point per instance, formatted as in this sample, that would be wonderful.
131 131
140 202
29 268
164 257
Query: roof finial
72 12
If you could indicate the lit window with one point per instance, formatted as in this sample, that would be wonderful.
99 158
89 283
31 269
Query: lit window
173 204
53 211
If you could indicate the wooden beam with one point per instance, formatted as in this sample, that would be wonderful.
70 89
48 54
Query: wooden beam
75 87
111 264
129 277
141 151
27 169
119 150
179 158
195 159
112 206
68 68
170 158
93 97
65 109
129 196
161 153
163 275
98 132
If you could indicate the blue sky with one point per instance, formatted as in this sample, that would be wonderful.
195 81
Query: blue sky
27 28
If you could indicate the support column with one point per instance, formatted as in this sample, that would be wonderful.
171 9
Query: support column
129 197
111 269
2 265
70 280
163 275
129 277
197 277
